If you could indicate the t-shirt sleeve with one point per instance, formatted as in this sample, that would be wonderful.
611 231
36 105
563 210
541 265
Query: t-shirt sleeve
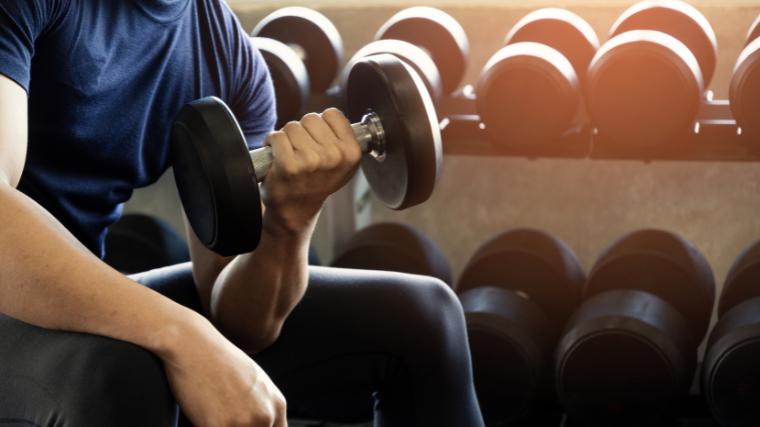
21 23
252 99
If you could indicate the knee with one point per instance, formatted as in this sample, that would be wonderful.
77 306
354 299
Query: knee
115 383
431 308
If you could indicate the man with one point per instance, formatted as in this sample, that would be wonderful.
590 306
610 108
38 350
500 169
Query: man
96 84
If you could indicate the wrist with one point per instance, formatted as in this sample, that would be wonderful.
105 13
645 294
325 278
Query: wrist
290 225
183 329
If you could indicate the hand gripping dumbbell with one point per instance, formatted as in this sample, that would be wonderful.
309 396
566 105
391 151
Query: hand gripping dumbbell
629 352
301 48
646 83
394 247
731 368
437 34
517 291
217 177
529 92
744 93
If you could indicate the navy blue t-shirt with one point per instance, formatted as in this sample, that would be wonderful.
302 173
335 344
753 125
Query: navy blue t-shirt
105 78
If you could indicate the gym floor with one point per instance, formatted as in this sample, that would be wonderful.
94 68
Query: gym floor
586 203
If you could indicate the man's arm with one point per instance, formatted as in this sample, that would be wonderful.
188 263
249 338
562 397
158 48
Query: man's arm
248 297
49 280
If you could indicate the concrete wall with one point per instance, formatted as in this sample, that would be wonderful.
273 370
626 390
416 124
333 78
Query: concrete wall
585 203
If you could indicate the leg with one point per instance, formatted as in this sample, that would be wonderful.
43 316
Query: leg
58 378
363 344
356 334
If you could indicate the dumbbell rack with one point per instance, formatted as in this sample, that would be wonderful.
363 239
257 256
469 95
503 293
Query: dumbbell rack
715 136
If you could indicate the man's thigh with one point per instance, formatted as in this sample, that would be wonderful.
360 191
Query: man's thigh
70 379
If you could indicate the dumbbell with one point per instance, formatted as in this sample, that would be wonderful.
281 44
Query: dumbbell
629 352
529 92
730 371
517 291
744 92
300 47
394 247
413 55
646 83
312 36
217 177
438 34
138 242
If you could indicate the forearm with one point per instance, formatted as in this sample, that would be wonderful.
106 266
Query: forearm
254 294
50 280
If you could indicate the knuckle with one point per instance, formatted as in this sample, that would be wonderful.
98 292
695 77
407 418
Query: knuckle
291 126
332 113
310 118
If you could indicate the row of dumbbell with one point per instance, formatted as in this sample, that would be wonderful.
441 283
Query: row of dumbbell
622 341
643 87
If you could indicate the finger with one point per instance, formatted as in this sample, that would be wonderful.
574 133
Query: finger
300 138
282 150
307 152
339 124
341 127
319 130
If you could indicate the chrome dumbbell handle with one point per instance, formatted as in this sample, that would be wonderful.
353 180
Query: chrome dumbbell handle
369 133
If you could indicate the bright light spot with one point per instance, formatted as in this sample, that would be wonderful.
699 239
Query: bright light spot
696 127
482 125
738 131
445 122
299 50
523 294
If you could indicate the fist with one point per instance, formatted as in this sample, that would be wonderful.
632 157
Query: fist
313 158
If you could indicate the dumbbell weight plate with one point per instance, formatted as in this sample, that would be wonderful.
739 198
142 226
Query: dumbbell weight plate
562 30
744 92
289 77
530 262
312 33
215 178
626 357
412 165
527 95
395 247
662 264
407 52
730 371
754 32
677 19
438 33
511 344
743 280
644 89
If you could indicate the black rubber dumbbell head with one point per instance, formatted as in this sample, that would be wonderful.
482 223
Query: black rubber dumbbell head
644 90
289 77
530 262
730 370
527 95
744 92
412 165
626 358
312 36
439 34
660 263
562 30
678 19
412 55
394 247
516 291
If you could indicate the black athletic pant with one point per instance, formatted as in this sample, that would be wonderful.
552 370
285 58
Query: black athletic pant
360 344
